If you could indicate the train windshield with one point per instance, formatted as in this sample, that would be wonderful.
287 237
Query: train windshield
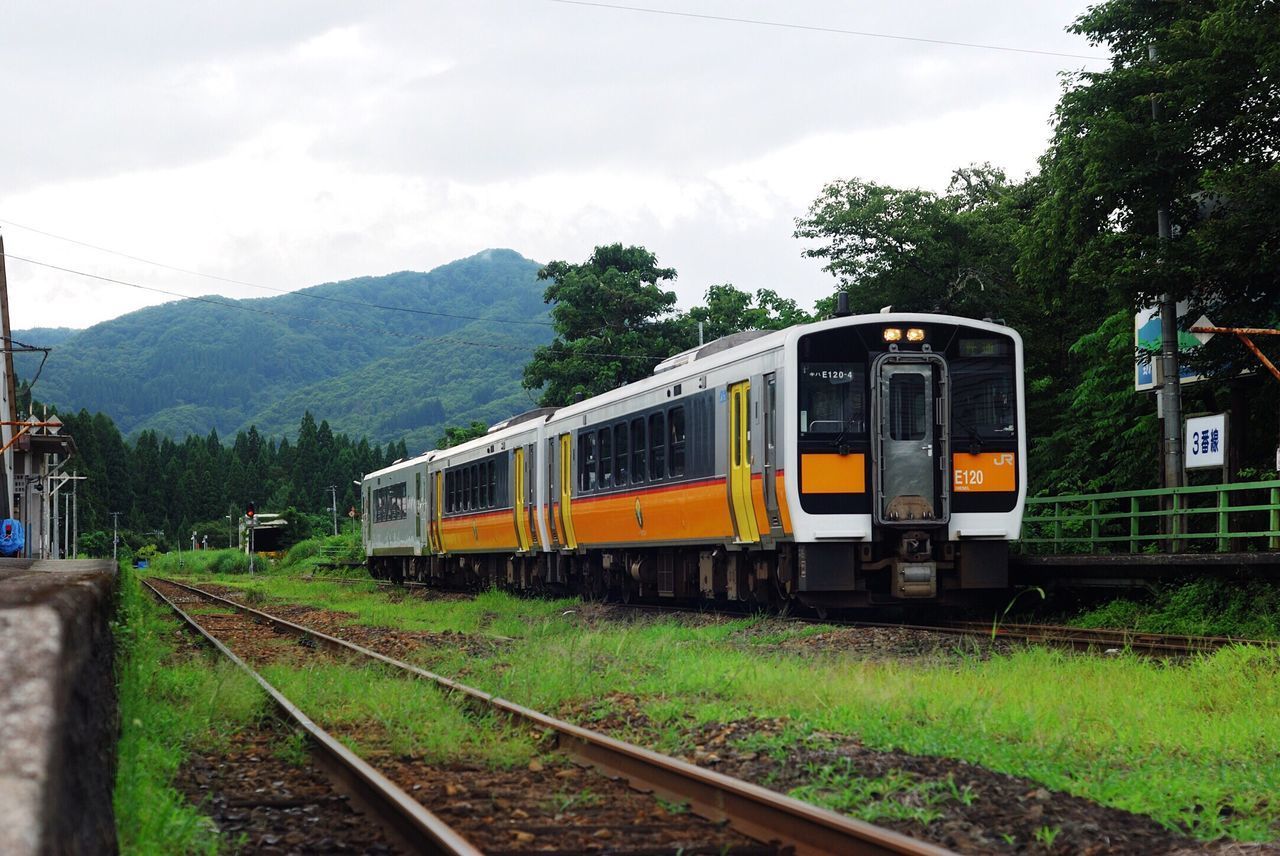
833 400
982 400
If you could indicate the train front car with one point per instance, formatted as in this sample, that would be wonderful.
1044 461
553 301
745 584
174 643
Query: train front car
910 446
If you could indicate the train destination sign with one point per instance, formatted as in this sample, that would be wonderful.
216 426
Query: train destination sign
1206 441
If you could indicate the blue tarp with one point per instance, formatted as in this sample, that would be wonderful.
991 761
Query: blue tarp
11 537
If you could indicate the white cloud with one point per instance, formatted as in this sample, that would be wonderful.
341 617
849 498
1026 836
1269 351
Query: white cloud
317 142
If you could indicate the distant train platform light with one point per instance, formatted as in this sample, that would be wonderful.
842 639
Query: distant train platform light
892 334
915 334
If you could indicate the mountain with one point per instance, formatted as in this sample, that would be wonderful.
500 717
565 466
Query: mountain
388 374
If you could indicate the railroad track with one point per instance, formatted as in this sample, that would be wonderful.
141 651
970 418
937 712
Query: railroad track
790 826
1078 638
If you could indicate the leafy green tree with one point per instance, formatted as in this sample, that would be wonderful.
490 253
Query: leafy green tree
1211 159
917 250
613 322
728 310
455 436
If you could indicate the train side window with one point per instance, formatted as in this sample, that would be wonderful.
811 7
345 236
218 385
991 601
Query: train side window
493 484
465 500
587 461
657 446
638 448
620 454
475 486
676 423
451 490
606 457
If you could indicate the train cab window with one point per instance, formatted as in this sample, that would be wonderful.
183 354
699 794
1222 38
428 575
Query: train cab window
620 454
982 401
833 400
638 450
606 457
908 406
657 446
587 476
675 423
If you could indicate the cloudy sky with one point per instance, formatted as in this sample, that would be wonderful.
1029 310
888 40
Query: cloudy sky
290 143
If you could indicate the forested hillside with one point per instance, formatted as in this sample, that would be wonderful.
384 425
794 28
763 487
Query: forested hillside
388 374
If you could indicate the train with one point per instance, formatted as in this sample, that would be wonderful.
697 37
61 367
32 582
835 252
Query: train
857 461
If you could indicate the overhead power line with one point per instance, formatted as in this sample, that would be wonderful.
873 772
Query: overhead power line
305 294
819 29
381 331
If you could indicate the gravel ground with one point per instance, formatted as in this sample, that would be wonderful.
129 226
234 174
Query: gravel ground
999 813
262 804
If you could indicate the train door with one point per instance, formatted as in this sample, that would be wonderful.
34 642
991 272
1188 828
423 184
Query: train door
437 517
417 507
911 441
522 521
566 490
365 521
744 515
531 493
553 482
770 468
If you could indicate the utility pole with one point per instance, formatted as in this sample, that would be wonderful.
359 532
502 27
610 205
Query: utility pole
1170 382
9 411
333 506
115 536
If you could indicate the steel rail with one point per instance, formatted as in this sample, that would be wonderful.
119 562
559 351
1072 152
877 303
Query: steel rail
395 809
757 812
1156 643
1080 638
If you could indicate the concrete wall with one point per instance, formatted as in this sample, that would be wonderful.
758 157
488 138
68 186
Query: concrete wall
58 712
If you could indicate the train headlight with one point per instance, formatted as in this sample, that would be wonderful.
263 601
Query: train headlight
915 334
892 334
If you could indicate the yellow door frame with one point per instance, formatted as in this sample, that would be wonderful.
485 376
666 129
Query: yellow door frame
522 522
744 516
566 491
438 524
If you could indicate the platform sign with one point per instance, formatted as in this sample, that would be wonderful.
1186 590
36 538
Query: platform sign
1146 339
1206 441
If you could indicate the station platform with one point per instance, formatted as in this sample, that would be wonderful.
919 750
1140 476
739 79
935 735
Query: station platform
58 713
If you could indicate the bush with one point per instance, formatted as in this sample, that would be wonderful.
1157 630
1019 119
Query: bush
230 562
300 552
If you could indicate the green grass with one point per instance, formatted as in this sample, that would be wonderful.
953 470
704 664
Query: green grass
493 613
170 704
894 796
1207 607
1193 745
409 717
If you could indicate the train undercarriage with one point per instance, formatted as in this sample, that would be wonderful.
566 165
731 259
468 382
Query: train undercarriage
820 576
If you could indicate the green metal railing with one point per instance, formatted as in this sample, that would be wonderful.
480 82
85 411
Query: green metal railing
1207 518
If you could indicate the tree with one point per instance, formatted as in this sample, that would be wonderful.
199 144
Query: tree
456 436
916 250
613 322
1211 158
727 310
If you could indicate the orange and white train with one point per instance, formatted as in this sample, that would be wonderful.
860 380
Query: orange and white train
855 461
